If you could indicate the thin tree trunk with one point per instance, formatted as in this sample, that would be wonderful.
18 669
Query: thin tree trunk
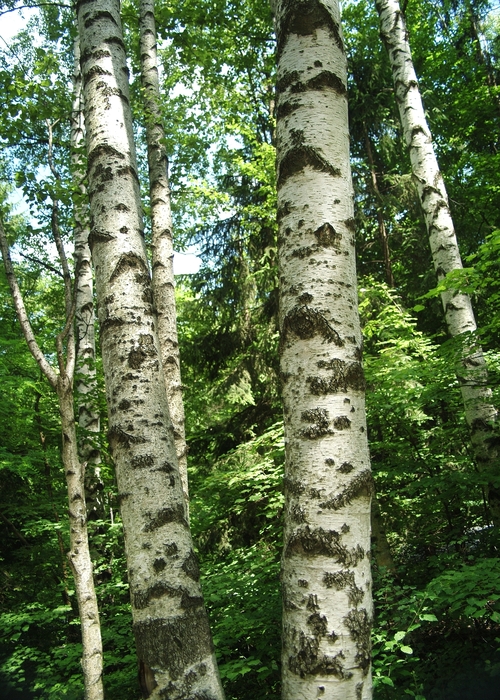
382 231
79 555
86 381
171 629
327 608
161 225
472 372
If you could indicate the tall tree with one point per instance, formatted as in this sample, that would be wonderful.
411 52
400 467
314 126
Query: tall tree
86 380
173 640
472 372
62 383
161 229
327 607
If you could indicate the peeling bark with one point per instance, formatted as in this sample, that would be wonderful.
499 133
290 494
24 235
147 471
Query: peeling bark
480 413
326 580
161 225
176 658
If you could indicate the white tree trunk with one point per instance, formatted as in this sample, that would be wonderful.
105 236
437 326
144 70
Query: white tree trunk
85 379
161 225
472 372
173 640
327 608
79 554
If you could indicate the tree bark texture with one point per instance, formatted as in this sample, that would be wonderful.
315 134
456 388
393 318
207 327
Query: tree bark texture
85 379
173 639
472 373
326 581
161 225
79 554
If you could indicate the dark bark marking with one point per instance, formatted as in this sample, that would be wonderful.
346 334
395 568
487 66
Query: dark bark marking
304 18
103 151
118 436
171 549
98 17
287 80
142 461
339 580
320 427
326 79
305 323
287 107
327 236
295 488
97 236
360 486
307 661
330 462
359 625
350 224
159 564
345 468
298 514
320 542
318 624
344 376
126 262
298 158
302 583
359 690
284 210
342 423
174 645
121 207
175 514
141 599
93 72
190 566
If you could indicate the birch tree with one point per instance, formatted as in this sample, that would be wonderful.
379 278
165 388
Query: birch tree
472 373
161 225
62 383
327 607
86 381
174 647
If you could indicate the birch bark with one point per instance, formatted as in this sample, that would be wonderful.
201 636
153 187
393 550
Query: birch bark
79 554
173 640
327 609
161 225
472 373
85 379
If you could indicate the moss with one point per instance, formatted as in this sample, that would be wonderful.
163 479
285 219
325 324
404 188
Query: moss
360 486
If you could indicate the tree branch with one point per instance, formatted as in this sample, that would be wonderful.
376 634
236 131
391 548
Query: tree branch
21 311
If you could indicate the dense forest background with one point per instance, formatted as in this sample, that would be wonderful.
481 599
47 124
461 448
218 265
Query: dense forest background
435 566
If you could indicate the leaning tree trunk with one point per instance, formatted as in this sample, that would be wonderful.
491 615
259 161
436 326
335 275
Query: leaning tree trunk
327 608
85 380
472 372
171 630
161 228
79 554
